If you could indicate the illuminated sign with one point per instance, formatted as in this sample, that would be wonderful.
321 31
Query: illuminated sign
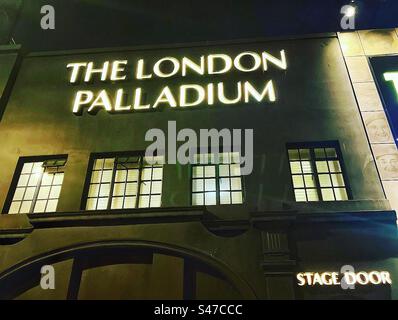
385 72
349 278
186 94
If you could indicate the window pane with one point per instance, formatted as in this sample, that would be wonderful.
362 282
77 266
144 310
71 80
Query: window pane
197 199
129 202
225 198
293 154
40 206
29 193
34 179
341 194
305 154
210 184
18 195
117 203
104 190
55 192
155 201
131 189
14 207
331 153
197 185
224 184
143 202
98 164
118 189
25 207
58 178
132 175
145 187
121 175
324 180
224 170
235 170
51 206
23 180
300 195
309 180
312 195
319 153
236 197
327 194
210 171
146 174
298 181
91 204
210 198
108 163
102 203
197 172
322 167
47 179
236 184
156 187
93 191
96 177
295 167
106 176
44 192
27 167
334 166
307 167
157 174
338 180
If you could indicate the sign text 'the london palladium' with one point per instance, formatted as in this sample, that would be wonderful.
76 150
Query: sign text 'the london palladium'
187 94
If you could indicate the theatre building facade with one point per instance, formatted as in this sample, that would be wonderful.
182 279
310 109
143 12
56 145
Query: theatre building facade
305 209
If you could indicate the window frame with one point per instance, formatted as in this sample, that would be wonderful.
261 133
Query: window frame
314 145
89 172
217 178
17 173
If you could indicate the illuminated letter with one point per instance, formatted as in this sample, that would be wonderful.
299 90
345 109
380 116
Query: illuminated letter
326 278
183 95
82 98
140 71
374 277
225 100
101 101
250 91
159 73
118 101
256 58
137 101
317 279
166 96
118 66
349 278
200 69
210 63
90 71
301 279
280 63
75 70
210 94
186 152
385 276
392 76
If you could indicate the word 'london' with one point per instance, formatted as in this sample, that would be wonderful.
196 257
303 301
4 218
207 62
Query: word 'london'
185 95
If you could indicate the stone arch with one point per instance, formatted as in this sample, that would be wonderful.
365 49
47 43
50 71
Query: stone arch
26 274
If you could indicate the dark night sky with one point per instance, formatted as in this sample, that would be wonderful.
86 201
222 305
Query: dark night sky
103 23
